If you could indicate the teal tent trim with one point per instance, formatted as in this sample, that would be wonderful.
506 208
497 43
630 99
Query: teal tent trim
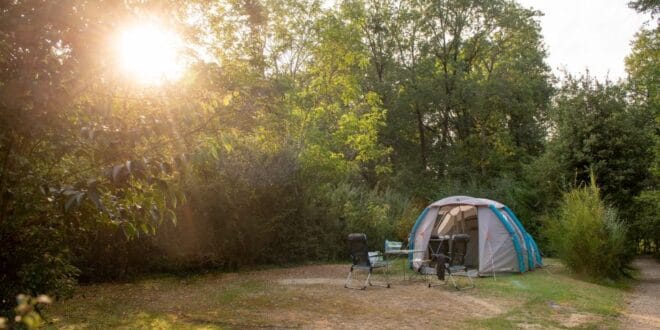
411 239
536 249
528 244
514 236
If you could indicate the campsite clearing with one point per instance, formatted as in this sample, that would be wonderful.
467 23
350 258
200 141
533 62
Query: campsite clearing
314 296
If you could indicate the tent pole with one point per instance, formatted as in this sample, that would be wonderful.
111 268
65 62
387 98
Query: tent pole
492 261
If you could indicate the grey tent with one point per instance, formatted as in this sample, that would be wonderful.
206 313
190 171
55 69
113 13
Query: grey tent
498 241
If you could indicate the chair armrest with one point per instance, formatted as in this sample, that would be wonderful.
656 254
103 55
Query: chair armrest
375 256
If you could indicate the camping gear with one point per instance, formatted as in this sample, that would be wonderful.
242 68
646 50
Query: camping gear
497 241
362 259
448 264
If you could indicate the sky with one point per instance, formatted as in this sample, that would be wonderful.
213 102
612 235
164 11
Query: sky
593 34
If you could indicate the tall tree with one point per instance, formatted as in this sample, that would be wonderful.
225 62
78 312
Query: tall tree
643 67
460 95
598 131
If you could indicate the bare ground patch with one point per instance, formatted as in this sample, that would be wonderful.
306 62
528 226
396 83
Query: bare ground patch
309 296
643 304
314 296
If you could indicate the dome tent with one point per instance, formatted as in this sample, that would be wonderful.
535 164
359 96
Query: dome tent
498 241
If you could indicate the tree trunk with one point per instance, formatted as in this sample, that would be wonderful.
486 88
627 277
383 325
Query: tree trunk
422 138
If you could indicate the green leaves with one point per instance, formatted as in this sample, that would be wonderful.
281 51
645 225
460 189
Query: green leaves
597 129
587 234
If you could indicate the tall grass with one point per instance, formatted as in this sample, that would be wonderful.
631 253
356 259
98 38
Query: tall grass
587 235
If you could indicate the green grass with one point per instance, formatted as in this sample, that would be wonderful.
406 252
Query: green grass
548 297
163 303
551 295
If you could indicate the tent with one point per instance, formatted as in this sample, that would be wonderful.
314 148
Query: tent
498 241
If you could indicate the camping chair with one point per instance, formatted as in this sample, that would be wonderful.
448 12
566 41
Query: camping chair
453 263
458 251
438 249
362 259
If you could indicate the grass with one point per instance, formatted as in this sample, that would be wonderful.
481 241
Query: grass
163 303
553 297
549 297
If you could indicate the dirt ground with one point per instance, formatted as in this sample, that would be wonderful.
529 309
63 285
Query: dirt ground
399 306
313 296
643 304
309 297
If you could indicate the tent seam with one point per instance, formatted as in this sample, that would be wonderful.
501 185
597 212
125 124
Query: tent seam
530 258
514 237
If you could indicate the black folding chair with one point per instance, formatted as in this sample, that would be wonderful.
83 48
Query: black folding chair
453 263
361 260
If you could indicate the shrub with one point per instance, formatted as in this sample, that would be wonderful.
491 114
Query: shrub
27 313
587 235
33 260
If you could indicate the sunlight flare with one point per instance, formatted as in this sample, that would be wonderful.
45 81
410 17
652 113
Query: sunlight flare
151 54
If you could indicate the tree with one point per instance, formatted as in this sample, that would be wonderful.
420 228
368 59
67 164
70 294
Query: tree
459 95
587 235
643 67
82 151
642 6
597 130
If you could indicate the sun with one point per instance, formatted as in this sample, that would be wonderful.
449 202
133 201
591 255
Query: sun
150 54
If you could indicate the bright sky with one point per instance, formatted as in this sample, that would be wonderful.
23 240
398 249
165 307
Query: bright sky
594 34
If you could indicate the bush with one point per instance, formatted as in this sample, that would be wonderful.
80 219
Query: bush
587 235
27 313
379 214
33 260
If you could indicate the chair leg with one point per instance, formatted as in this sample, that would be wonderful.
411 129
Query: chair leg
453 281
441 275
367 281
458 287
347 284
469 280
387 278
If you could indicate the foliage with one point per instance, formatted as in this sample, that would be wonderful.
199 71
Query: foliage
459 97
643 66
27 313
597 129
81 151
250 215
588 236
646 225
652 6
